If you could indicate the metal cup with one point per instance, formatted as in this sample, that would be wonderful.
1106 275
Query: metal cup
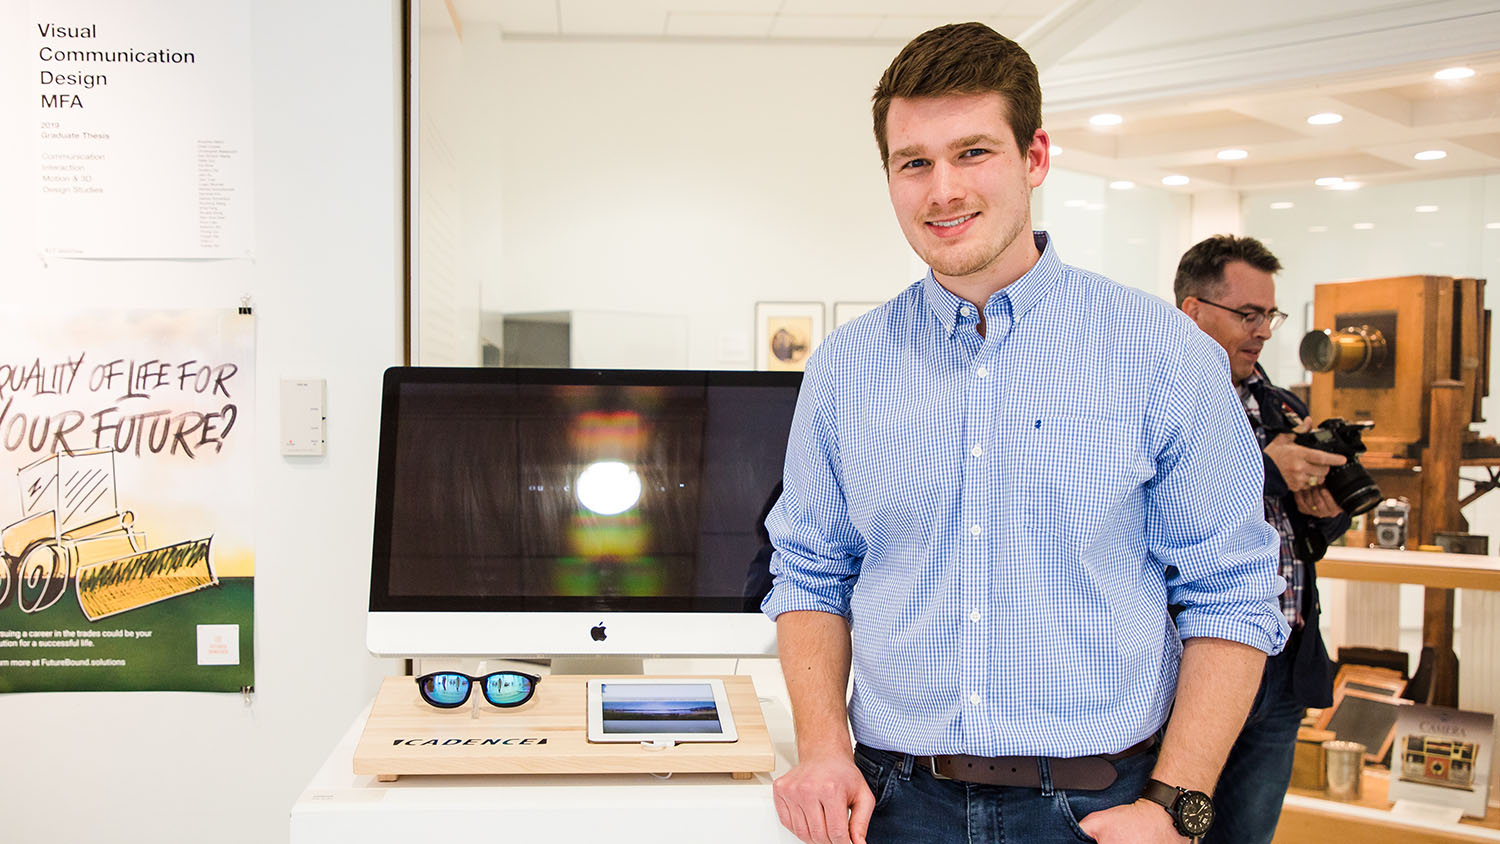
1346 768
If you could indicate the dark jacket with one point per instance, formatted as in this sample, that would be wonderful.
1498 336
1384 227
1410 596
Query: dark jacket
1312 670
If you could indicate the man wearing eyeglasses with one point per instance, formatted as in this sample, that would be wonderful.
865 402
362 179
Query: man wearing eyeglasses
1225 284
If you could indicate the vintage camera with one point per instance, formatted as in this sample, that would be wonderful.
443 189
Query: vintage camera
1438 761
1351 486
1391 521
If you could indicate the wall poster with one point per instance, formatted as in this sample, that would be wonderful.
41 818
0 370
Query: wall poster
143 127
126 481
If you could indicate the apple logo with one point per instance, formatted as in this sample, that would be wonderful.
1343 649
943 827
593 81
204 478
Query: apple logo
597 632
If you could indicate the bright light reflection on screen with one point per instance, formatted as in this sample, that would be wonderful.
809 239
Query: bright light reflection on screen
609 487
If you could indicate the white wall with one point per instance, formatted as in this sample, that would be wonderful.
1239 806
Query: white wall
691 179
1134 236
694 179
175 767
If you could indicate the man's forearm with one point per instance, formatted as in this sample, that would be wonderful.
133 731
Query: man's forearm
815 651
1215 687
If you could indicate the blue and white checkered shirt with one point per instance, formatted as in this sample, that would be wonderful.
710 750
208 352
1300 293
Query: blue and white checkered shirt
1005 519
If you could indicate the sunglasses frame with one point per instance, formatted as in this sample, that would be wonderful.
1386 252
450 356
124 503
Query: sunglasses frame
479 681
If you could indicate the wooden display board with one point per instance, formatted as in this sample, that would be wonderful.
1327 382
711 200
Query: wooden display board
547 735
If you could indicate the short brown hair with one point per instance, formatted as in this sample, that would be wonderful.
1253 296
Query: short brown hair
1201 270
963 58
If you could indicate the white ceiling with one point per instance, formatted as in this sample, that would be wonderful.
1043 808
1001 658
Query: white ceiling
1189 77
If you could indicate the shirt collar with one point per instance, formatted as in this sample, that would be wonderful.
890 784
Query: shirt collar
1023 293
1248 388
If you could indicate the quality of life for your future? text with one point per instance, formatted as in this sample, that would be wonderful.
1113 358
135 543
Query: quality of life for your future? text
155 431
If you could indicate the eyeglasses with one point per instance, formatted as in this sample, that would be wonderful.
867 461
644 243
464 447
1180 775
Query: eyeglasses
1251 318
450 689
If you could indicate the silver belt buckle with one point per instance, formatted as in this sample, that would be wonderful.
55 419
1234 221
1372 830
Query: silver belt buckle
933 766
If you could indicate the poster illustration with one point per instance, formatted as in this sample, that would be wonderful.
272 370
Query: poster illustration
125 500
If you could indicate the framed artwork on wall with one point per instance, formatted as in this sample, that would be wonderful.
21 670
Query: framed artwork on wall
786 333
845 311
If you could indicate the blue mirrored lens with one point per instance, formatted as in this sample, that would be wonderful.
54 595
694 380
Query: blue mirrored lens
506 689
446 689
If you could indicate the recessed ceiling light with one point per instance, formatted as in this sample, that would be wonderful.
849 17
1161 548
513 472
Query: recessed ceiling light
1316 229
1364 227
1492 225
1328 181
1348 186
1175 180
1454 73
1055 150
1325 118
1430 155
1281 206
1425 209
1121 184
1106 119
1232 154
1075 203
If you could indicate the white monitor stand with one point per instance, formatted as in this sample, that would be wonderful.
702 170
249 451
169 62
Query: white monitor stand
595 666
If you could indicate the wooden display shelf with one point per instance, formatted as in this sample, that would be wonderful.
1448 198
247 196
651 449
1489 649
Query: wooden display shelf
1309 817
1427 568
547 735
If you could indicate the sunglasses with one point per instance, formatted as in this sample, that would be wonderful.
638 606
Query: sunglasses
450 689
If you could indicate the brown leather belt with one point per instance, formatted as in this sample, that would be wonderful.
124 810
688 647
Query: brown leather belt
1077 773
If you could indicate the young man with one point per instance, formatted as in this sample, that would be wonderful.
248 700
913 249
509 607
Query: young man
1225 284
996 484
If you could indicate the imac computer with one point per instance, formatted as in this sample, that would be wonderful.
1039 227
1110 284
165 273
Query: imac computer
572 513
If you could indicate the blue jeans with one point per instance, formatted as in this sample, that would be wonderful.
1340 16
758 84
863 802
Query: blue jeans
1248 799
913 807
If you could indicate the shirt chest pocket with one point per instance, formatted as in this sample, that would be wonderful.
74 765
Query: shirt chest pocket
1075 473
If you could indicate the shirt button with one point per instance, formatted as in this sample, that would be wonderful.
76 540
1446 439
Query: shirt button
974 615
965 311
981 372
977 451
974 698
977 529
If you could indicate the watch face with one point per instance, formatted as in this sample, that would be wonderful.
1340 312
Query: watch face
1195 813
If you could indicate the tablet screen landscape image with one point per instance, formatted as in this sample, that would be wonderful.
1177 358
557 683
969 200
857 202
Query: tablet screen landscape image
629 708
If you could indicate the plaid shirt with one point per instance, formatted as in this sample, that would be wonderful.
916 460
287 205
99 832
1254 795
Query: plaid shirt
1291 567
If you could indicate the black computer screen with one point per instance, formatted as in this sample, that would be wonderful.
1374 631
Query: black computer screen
567 490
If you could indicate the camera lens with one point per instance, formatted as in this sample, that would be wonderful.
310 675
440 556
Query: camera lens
1353 488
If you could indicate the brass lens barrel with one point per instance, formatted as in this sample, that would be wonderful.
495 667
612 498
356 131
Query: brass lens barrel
1346 350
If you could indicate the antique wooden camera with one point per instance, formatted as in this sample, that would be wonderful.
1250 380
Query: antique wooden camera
1378 348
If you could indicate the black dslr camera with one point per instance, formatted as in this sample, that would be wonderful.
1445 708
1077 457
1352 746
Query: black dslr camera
1350 485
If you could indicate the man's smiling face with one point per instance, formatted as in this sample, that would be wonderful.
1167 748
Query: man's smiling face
961 188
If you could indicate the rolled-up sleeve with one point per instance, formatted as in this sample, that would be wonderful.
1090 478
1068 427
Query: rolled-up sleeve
1206 508
817 550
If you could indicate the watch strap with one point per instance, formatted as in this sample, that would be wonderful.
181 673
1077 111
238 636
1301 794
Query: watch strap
1162 794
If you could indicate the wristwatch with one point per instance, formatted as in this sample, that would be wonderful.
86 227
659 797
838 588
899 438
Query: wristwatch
1192 811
